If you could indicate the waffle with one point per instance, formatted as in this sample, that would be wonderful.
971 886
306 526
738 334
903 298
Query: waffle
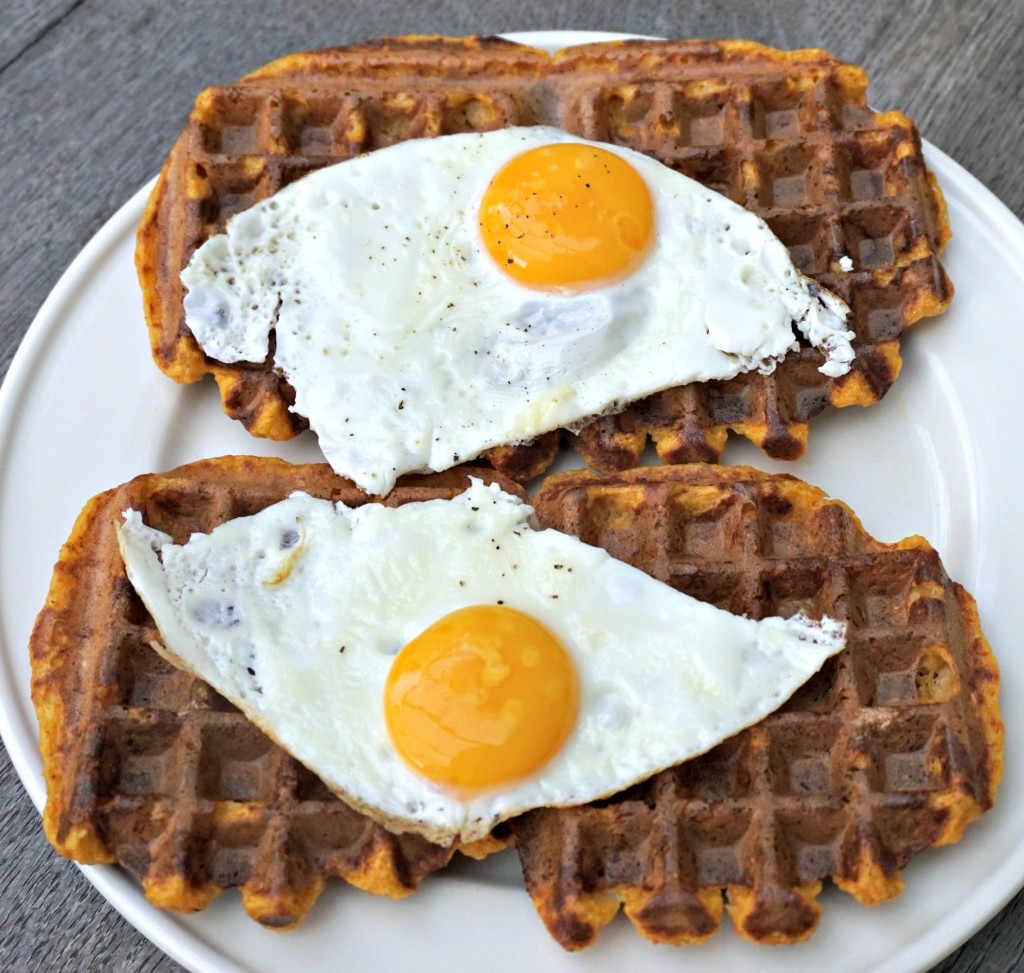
891 749
148 767
785 134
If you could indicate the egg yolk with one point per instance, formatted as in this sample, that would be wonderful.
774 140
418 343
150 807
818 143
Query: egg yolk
567 216
484 696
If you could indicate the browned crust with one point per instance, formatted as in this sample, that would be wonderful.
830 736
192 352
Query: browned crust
891 750
859 184
701 528
89 638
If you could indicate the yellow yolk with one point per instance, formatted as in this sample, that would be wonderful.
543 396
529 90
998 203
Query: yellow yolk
484 696
567 216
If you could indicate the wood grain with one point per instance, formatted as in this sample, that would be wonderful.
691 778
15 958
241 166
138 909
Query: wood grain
94 91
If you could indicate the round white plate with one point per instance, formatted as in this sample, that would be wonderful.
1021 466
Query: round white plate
83 409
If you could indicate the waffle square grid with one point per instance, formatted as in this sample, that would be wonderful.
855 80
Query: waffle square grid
788 135
890 749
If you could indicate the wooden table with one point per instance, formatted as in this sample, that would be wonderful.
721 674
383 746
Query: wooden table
94 91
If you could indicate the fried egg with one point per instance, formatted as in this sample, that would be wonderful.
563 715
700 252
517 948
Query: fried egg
443 665
441 296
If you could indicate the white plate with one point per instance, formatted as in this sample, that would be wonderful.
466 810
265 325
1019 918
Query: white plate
83 409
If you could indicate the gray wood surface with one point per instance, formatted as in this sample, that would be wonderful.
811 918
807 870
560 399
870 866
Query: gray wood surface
92 93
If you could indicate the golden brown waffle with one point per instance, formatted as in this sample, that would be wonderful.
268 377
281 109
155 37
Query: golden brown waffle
891 749
785 134
148 767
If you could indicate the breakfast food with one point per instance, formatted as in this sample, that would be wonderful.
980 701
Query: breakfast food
889 751
787 135
526 281
148 767
444 666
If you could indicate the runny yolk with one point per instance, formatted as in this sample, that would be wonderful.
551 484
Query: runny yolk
484 696
567 216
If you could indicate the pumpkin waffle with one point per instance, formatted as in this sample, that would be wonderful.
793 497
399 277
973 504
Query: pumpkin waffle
146 766
890 750
785 134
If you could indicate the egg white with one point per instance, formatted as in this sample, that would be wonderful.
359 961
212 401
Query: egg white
408 347
296 614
